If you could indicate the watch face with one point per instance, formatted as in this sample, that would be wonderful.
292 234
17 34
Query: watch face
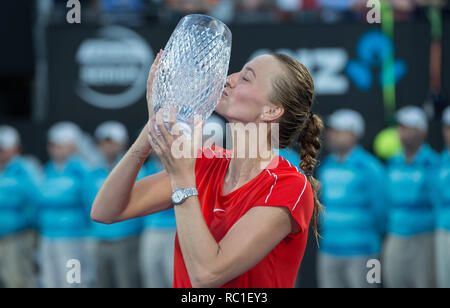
177 196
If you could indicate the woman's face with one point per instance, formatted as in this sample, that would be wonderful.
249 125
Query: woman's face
246 94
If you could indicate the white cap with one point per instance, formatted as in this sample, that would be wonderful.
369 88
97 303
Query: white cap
64 133
347 120
413 117
9 137
115 131
446 116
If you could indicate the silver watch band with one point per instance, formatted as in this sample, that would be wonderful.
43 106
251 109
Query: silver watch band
190 192
185 193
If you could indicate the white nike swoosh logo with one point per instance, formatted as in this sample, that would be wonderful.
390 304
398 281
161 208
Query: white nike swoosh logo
218 210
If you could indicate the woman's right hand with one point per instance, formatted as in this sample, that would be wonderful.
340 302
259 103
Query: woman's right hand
151 76
142 145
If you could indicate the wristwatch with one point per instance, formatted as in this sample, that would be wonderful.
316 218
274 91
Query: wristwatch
179 195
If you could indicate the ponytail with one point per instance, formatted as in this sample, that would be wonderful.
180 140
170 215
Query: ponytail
310 142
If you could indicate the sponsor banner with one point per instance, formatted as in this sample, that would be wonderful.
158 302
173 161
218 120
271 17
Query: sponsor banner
100 73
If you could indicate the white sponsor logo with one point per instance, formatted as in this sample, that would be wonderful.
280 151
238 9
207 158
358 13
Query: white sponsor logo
113 68
326 65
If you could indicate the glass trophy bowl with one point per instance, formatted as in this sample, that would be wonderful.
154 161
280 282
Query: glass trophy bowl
193 68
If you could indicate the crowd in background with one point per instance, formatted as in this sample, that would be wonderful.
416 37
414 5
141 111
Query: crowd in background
238 11
398 212
55 200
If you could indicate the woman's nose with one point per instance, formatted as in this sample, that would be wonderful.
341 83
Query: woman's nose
231 81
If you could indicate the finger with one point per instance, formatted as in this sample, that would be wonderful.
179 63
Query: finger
153 138
151 127
162 127
151 76
155 147
172 120
157 59
153 68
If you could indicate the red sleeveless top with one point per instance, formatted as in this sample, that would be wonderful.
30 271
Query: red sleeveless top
279 184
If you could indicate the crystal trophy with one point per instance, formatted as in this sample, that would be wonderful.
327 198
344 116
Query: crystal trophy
193 68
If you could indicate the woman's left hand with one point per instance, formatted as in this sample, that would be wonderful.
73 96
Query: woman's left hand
177 153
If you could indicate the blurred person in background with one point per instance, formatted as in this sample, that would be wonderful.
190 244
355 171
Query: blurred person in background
403 9
120 5
254 11
288 9
253 5
191 6
18 185
173 10
337 10
128 12
223 10
409 252
63 219
442 195
116 247
353 195
157 241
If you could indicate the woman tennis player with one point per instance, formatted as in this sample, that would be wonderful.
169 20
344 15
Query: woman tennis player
241 222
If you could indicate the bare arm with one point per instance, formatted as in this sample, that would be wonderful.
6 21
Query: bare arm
121 198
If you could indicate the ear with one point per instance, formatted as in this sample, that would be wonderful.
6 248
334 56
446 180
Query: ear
272 113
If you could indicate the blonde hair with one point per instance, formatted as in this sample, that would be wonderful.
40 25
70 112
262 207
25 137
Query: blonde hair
294 91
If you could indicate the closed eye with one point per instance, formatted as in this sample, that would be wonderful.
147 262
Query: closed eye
245 73
245 78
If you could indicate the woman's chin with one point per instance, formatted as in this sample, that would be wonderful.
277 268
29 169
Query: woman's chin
220 108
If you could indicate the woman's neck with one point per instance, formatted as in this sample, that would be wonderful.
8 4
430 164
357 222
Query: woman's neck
250 155
243 168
